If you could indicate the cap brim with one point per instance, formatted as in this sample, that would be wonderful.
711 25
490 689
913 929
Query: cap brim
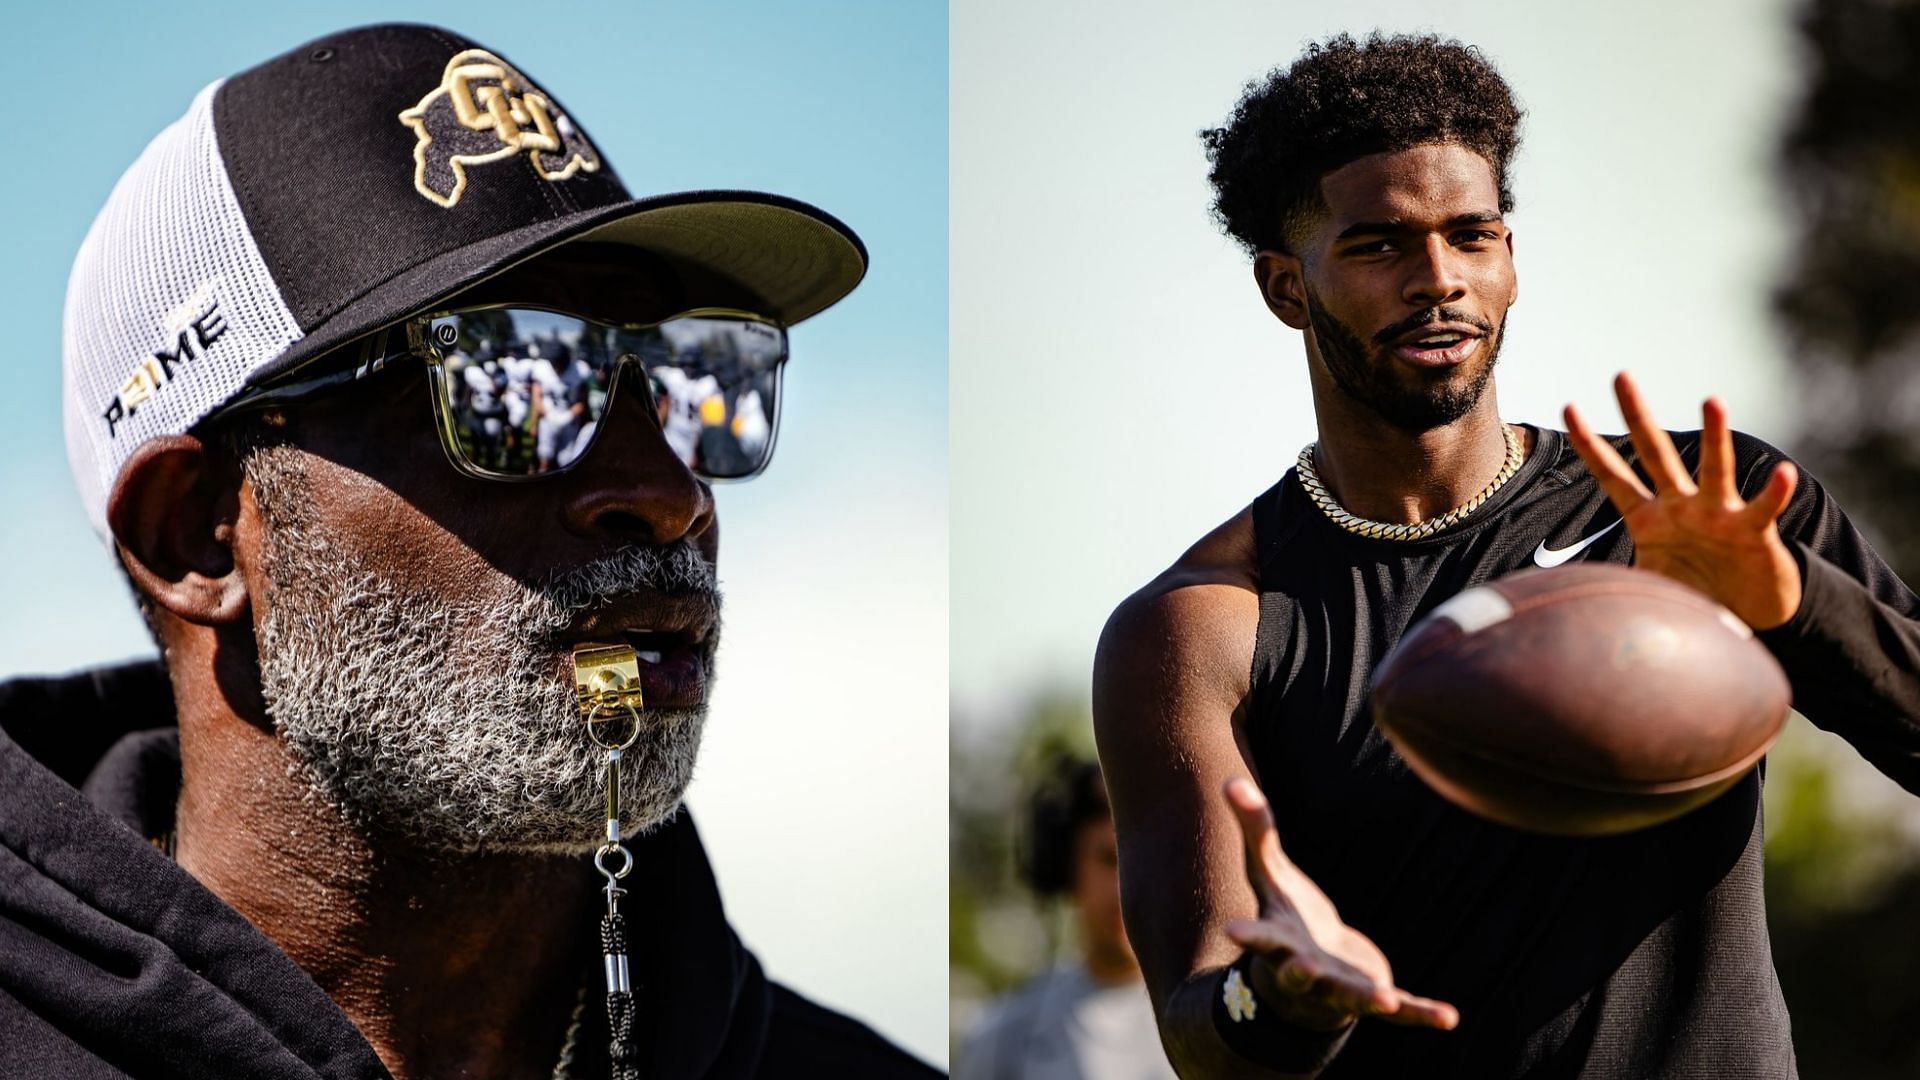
798 259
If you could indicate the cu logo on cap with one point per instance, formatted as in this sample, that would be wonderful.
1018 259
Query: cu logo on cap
485 111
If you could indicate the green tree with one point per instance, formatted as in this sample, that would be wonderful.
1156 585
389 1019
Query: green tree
1842 889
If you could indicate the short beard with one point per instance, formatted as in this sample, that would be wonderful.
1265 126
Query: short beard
1370 377
448 723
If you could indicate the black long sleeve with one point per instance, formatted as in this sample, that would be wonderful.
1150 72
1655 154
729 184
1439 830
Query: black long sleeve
1852 650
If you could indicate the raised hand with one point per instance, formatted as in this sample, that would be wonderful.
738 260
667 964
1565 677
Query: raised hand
1311 968
1704 535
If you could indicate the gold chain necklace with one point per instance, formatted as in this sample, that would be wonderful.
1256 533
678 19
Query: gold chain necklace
1419 530
562 1069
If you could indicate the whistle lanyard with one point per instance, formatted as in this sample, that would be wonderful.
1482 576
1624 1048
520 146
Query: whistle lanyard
607 687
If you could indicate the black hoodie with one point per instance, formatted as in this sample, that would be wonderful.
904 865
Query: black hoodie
115 962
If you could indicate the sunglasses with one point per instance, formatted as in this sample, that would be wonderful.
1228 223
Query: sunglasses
520 392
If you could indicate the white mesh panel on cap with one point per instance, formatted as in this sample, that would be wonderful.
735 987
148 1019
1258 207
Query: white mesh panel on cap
169 260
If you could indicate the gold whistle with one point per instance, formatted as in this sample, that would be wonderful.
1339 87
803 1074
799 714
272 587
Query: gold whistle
606 681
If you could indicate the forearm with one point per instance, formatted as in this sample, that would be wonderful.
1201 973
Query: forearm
1854 662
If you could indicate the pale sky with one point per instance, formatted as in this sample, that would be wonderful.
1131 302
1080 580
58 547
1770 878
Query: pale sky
1117 386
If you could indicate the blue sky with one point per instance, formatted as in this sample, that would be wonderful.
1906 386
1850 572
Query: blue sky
839 104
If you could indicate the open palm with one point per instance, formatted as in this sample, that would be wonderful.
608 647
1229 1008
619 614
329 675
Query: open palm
1309 965
1701 534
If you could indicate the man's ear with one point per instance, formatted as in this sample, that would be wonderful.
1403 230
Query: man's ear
1514 296
173 517
1281 285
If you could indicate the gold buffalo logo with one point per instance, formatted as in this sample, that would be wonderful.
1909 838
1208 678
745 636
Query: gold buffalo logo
482 111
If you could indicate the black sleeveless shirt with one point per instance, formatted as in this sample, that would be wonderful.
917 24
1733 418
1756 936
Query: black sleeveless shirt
1644 955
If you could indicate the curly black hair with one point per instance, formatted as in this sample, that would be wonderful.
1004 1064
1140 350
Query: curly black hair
1070 795
1343 100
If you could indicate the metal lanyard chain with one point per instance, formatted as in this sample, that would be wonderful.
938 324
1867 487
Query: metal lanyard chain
607 685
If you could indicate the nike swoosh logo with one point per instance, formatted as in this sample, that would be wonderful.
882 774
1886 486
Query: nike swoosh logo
1545 556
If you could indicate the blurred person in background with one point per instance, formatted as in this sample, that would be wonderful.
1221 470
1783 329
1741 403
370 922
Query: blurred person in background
1088 1018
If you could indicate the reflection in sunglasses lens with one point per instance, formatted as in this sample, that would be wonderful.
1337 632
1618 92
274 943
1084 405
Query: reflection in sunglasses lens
527 389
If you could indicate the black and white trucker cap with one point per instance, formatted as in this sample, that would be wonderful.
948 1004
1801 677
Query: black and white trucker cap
345 185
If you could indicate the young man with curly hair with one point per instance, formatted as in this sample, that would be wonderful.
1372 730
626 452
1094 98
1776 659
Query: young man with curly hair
1370 183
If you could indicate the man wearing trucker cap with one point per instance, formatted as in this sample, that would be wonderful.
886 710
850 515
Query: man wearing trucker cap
365 360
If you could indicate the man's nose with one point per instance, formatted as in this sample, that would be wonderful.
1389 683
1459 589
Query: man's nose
631 485
1436 276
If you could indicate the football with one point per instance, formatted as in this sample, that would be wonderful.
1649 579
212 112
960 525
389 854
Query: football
1585 700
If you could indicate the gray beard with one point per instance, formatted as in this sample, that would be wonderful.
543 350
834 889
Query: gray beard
449 722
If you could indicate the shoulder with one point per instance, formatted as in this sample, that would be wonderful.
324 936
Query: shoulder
1174 667
1754 457
1215 578
807 1040
68 721
1754 460
1194 619
141 683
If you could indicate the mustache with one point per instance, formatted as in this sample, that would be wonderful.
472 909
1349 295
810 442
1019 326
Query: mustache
1431 315
678 571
